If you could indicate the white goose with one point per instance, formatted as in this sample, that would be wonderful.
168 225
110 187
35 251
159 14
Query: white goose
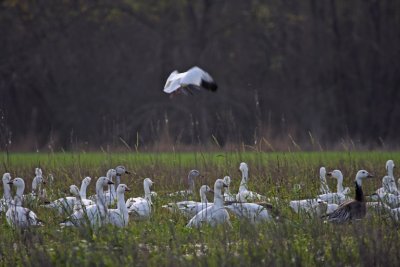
324 188
110 194
190 208
38 192
6 200
340 195
393 200
215 214
66 204
17 215
182 205
332 199
388 181
140 208
94 214
245 195
195 79
227 194
250 212
186 193
119 217
120 170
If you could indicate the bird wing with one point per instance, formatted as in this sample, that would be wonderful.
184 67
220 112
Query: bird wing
173 82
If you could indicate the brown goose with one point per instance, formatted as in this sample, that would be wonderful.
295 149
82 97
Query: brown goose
352 209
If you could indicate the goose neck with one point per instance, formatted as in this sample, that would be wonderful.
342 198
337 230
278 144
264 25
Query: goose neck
390 171
203 196
82 191
218 199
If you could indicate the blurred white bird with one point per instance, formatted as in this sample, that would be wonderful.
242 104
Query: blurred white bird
195 79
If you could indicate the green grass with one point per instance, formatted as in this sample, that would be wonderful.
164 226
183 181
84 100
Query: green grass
164 240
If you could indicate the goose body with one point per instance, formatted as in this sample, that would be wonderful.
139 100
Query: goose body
250 212
93 214
119 217
191 208
388 181
38 192
215 214
245 195
195 79
352 209
66 204
18 216
332 199
227 194
140 208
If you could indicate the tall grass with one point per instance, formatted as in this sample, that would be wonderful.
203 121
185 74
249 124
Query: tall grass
165 241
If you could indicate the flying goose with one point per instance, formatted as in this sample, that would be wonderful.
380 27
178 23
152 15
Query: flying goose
352 209
195 79
215 214
17 215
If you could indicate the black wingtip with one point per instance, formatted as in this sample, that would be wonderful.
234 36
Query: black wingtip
212 86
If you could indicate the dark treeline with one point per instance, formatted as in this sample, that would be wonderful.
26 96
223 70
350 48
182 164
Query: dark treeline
91 73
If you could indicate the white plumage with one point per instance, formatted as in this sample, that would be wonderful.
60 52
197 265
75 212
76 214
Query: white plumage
215 214
245 195
195 79
140 208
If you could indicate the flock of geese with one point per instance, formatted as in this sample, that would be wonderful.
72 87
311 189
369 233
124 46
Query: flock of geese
108 207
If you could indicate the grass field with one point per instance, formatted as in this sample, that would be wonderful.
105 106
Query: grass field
165 241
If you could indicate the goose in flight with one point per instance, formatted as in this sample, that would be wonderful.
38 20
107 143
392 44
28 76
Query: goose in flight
195 79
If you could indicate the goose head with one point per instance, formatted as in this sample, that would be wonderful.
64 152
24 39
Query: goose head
147 183
6 178
389 167
227 180
87 180
38 172
243 167
74 190
219 184
111 173
122 188
193 174
103 181
362 174
121 170
37 181
204 189
322 173
337 174
17 182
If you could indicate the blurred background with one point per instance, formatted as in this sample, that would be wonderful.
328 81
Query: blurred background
309 75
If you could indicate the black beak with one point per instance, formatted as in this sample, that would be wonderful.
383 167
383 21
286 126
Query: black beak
211 191
110 182
127 172
10 182
329 174
370 175
225 185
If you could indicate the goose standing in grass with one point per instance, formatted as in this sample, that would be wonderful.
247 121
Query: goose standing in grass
191 208
352 209
245 195
215 214
119 217
38 192
120 170
17 215
324 188
388 181
314 204
195 79
140 208
227 194
66 204
6 200
186 193
340 195
93 214
109 194
78 210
